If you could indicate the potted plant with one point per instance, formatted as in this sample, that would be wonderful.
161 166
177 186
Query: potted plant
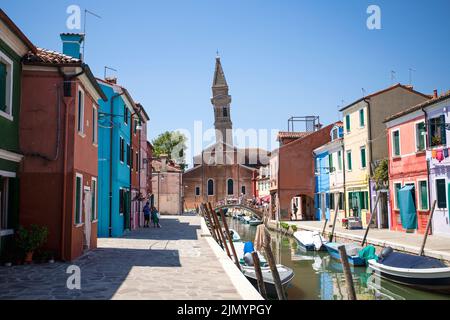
28 241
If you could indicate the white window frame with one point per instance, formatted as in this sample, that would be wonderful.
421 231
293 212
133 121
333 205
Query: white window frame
95 197
95 125
424 137
395 194
339 161
351 157
9 87
399 143
80 116
360 160
420 198
446 192
79 223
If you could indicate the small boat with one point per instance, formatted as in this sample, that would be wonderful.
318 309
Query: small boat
235 236
239 247
255 222
310 240
286 276
246 219
352 250
415 271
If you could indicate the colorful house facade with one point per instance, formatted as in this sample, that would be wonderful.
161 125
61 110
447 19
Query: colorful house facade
13 46
115 159
437 119
60 94
365 149
330 176
407 144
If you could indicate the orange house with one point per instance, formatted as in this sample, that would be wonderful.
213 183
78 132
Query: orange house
406 134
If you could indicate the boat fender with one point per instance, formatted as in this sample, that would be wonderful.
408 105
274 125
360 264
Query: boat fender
248 259
386 252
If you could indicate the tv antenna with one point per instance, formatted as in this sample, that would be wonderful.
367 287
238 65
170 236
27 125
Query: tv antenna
108 68
411 70
393 76
84 26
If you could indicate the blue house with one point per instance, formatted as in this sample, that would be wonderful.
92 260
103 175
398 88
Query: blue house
114 159
322 173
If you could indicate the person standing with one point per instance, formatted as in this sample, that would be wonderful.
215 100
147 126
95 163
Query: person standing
155 217
147 215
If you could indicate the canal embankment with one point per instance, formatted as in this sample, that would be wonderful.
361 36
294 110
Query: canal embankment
244 288
436 246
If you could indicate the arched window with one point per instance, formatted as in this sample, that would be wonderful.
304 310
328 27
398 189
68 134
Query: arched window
230 187
243 189
210 187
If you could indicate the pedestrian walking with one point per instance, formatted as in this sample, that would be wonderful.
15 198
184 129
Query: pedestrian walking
147 212
155 217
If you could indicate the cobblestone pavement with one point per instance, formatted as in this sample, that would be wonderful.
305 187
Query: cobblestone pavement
171 263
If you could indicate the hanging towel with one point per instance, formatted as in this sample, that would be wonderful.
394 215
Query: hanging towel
428 155
259 238
433 154
440 155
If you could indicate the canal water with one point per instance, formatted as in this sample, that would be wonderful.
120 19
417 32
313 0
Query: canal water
319 277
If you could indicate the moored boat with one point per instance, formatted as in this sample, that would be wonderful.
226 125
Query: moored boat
255 222
286 276
416 271
351 249
310 240
246 219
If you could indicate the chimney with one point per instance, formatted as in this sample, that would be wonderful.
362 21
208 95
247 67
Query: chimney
72 44
435 94
163 158
112 80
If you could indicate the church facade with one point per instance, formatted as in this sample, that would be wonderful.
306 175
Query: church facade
222 171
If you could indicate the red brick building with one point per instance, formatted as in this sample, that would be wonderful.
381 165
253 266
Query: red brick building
58 137
292 172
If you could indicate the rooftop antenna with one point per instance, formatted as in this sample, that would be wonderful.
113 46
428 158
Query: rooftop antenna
363 92
411 70
217 54
393 73
108 68
84 26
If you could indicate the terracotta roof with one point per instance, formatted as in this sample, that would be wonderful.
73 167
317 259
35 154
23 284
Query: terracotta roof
157 166
292 135
49 57
418 107
398 85
15 29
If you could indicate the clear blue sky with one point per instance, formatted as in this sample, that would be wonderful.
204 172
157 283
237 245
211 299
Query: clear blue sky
281 58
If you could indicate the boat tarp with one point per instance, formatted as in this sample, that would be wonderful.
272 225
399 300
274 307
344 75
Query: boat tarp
368 253
407 206
248 247
409 261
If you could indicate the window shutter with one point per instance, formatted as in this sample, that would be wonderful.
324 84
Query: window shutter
77 199
2 87
443 131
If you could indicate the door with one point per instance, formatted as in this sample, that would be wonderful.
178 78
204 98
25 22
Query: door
384 211
87 217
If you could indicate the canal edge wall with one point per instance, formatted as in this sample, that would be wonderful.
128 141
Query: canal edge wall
245 289
377 243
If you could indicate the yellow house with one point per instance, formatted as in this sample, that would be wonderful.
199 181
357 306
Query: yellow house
365 145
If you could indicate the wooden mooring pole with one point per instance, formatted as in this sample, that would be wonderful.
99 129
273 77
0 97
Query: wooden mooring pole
219 230
336 212
273 266
430 220
211 226
230 240
372 215
347 273
259 275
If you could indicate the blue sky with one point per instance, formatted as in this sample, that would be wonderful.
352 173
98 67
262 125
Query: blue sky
281 58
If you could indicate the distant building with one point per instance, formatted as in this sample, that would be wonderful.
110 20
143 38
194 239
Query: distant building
222 171
167 186
59 138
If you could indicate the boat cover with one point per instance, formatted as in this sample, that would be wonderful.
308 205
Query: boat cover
368 253
407 206
409 261
248 247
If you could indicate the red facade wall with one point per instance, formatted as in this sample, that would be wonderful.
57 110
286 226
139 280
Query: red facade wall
54 152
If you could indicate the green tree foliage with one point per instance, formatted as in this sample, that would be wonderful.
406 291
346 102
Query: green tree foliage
381 174
172 144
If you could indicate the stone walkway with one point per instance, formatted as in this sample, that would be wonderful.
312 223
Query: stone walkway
172 263
436 246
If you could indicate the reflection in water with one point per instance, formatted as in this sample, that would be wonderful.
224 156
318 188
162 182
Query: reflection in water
319 277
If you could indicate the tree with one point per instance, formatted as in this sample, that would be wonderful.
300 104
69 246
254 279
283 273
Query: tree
172 144
381 175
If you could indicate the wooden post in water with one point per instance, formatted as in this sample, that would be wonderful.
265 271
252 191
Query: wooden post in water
347 273
219 230
273 266
259 275
336 212
430 220
213 231
372 215
324 227
230 239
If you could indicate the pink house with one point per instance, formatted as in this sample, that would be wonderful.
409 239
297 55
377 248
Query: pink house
406 134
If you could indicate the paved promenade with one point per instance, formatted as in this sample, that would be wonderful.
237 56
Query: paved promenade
436 246
172 263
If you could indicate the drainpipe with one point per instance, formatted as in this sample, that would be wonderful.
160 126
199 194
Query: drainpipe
370 154
428 167
345 185
110 160
66 82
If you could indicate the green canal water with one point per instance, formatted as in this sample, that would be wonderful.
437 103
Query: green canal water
319 277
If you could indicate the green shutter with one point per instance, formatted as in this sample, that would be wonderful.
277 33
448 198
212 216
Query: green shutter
441 194
2 87
443 131
330 162
361 118
363 158
347 123
340 160
420 131
349 160
77 200
423 195
396 143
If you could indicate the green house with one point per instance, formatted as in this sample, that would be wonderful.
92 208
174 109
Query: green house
13 46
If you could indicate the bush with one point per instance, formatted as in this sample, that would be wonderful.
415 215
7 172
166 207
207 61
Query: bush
294 228
284 225
32 239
